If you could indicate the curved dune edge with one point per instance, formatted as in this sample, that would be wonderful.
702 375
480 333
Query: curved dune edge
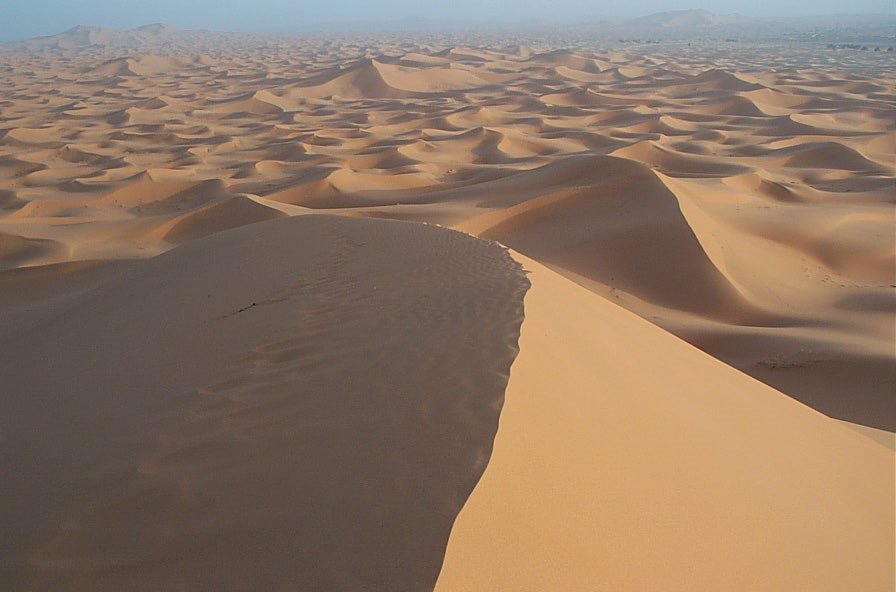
302 403
884 437
628 460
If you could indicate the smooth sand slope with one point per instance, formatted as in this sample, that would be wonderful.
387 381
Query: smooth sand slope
299 404
628 460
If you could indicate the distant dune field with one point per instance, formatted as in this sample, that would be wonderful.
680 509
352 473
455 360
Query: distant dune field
379 315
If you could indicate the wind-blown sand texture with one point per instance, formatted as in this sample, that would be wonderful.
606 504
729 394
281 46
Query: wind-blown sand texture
206 388
309 400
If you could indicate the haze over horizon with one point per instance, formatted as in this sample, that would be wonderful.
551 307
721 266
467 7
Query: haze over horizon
27 19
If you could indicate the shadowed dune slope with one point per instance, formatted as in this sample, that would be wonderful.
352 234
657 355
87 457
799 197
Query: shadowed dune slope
302 403
17 250
626 230
628 460
234 212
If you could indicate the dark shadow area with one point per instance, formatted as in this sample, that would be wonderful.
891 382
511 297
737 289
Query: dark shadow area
299 404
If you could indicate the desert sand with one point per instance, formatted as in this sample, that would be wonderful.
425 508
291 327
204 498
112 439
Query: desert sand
628 460
364 313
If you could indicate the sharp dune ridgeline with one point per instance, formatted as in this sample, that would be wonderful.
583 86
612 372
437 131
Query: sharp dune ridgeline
448 312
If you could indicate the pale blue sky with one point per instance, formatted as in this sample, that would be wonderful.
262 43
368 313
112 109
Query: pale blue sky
28 18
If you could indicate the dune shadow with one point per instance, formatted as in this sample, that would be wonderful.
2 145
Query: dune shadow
348 392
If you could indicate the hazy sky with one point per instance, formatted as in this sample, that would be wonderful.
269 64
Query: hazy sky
28 18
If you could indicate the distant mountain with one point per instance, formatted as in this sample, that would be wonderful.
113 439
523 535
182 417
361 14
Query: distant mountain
84 36
694 19
80 36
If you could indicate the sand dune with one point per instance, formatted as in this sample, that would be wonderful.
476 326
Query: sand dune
833 155
234 212
190 365
16 251
370 78
464 135
627 465
373 445
598 234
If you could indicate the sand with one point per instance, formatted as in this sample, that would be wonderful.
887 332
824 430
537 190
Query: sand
628 460
302 403
241 352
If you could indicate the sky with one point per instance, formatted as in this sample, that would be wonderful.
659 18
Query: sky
30 18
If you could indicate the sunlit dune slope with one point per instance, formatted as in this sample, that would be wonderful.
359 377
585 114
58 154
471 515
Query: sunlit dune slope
626 459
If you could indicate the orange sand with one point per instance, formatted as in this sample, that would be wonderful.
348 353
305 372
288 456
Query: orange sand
270 402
